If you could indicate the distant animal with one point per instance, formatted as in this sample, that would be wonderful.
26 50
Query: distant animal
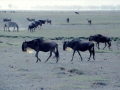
34 25
30 19
6 20
38 24
7 25
78 45
42 45
31 27
43 21
67 20
49 21
100 39
76 12
89 21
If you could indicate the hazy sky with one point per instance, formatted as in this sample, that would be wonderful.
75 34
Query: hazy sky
29 3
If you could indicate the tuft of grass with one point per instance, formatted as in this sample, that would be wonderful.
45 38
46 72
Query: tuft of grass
76 71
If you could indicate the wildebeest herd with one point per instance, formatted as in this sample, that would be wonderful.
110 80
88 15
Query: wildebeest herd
32 26
75 44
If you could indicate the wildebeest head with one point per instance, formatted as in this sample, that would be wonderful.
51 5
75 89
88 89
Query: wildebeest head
91 38
64 45
24 46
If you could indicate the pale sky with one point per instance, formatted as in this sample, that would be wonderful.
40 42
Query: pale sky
29 3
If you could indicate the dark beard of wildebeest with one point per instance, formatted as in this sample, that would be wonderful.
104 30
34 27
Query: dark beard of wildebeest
100 39
41 45
78 45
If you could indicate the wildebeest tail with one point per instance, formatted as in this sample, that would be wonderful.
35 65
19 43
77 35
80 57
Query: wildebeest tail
93 51
57 52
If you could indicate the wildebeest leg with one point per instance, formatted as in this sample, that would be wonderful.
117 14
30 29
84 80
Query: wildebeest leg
109 44
49 56
98 45
90 55
105 45
73 55
80 55
37 56
93 52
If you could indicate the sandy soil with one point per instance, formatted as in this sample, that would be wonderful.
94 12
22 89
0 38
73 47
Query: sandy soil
19 70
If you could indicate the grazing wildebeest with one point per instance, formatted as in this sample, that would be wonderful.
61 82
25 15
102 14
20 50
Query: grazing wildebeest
42 45
48 21
78 45
67 20
7 25
6 20
43 21
34 25
76 12
30 19
38 24
31 27
100 38
89 21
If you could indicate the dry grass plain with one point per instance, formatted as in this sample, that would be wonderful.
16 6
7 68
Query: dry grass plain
19 70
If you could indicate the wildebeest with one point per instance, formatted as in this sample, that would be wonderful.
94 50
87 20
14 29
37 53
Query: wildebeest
43 21
78 45
67 20
48 21
42 45
7 25
38 24
89 21
6 20
34 25
30 19
31 27
76 12
100 38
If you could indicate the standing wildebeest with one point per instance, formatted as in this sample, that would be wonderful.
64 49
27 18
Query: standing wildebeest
76 12
6 20
43 21
89 21
30 19
38 24
100 38
48 21
78 45
34 25
41 45
11 24
31 27
67 20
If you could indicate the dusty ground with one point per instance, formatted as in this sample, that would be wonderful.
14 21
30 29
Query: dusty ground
19 70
